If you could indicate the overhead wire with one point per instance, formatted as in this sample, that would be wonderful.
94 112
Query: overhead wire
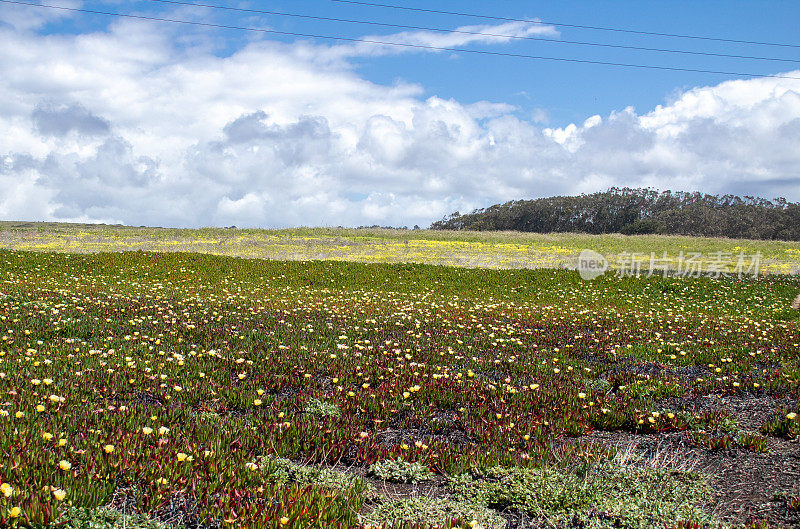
398 44
476 33
566 25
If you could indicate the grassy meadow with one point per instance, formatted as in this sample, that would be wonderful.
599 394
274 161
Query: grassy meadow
169 388
449 248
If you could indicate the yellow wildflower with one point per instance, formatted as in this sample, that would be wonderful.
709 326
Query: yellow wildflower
7 490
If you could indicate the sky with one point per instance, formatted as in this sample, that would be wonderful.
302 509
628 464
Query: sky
142 122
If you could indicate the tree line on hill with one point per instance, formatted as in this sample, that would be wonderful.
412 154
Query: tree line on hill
639 211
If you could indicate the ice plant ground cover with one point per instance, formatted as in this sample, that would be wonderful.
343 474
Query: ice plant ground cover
188 390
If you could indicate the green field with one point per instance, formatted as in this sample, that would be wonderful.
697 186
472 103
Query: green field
171 388
463 249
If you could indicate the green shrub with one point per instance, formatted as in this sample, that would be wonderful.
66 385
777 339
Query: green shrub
400 471
426 512
105 518
322 408
278 470
208 416
602 494
519 488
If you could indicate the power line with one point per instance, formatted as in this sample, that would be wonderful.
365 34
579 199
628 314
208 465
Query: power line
398 44
479 33
599 28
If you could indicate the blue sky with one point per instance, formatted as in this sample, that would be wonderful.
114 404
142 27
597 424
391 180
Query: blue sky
569 92
109 119
563 92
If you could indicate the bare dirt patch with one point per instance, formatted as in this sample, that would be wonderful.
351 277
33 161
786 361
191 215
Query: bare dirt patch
750 410
746 485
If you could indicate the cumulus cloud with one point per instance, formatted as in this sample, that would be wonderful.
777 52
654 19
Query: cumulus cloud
59 122
735 137
124 126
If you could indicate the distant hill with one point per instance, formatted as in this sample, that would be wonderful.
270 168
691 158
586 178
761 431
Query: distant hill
639 211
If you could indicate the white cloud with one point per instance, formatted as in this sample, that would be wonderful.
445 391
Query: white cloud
60 122
22 17
461 37
540 115
123 126
420 41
